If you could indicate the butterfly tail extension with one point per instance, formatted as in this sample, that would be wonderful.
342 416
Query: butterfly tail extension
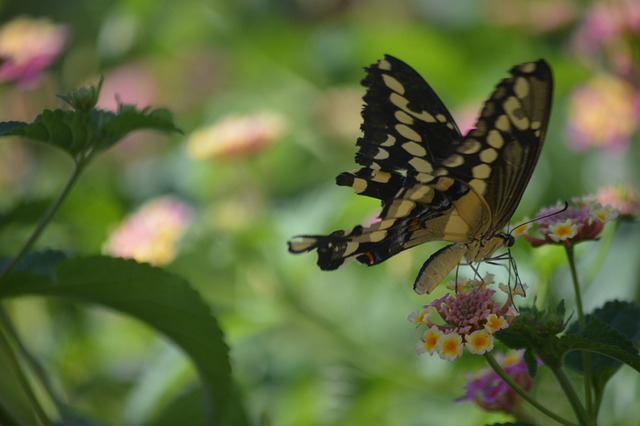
370 246
437 267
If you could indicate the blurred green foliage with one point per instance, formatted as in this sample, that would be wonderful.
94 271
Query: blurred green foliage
308 347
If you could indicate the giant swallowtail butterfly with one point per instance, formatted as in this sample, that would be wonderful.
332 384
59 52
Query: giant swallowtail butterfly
434 183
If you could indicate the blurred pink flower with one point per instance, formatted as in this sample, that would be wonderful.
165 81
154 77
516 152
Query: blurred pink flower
534 15
623 198
129 84
235 136
27 47
604 112
492 393
151 233
610 28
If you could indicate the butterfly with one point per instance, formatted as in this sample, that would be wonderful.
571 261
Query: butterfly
433 183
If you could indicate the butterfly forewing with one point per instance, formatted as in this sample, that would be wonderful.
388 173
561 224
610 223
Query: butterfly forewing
497 158
406 129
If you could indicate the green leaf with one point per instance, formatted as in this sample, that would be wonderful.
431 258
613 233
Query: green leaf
536 331
41 262
130 119
8 126
162 300
71 131
185 405
83 132
613 332
26 212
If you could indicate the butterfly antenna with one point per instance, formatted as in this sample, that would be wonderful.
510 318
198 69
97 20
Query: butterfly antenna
566 206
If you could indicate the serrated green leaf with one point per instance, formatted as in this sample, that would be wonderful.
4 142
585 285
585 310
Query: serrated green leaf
9 126
130 119
80 132
71 131
162 300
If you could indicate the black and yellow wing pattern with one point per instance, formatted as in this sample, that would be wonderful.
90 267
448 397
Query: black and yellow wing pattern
434 183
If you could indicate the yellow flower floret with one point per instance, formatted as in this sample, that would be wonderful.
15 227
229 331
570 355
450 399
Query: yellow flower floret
479 342
562 231
450 346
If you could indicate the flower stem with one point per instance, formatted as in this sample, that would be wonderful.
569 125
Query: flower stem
5 346
524 394
44 220
586 361
565 384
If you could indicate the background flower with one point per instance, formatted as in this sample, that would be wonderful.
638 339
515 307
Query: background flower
151 233
28 46
490 392
603 113
583 220
236 135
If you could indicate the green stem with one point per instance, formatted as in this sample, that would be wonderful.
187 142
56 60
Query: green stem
44 220
586 360
32 362
565 384
5 346
524 394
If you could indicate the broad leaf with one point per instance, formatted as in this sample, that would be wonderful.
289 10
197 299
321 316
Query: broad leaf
162 300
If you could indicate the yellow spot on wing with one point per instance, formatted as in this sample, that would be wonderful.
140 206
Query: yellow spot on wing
390 141
454 160
481 171
393 84
421 165
350 248
403 117
401 208
494 138
359 185
513 108
502 123
380 176
414 149
381 154
408 132
384 65
469 146
489 155
377 236
521 87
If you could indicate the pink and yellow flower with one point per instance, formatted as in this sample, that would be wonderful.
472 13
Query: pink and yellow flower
467 318
583 220
236 136
151 234
28 46
610 30
603 113
625 199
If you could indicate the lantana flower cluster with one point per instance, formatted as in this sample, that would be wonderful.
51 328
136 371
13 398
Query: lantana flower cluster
490 392
151 233
469 318
28 46
583 220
